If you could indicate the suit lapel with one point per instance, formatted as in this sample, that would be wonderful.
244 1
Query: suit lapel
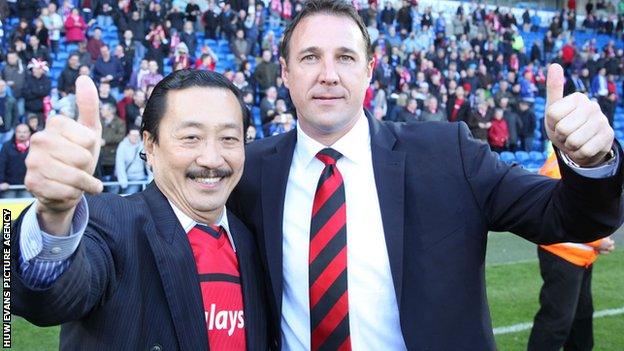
252 314
389 169
275 169
176 265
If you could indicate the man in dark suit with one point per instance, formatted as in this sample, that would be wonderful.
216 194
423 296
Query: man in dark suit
168 268
374 233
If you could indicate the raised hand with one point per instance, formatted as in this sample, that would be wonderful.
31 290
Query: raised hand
575 124
62 158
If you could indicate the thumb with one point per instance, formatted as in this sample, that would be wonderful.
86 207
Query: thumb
88 103
554 84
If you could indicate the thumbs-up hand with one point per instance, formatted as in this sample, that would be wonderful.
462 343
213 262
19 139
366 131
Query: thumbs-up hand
62 158
575 124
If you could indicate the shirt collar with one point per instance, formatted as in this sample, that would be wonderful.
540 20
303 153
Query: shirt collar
349 145
188 223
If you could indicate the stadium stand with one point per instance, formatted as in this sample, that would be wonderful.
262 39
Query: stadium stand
421 50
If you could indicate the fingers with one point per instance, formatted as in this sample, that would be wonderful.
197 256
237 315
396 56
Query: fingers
554 84
563 107
74 132
88 104
579 129
41 173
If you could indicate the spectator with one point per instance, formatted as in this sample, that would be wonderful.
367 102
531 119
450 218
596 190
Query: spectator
41 32
527 117
33 123
126 64
134 109
37 51
75 27
498 133
458 108
137 75
54 23
480 121
210 21
157 51
132 49
514 124
126 100
129 166
69 74
66 104
36 87
9 115
409 113
27 9
266 72
152 77
432 112
107 68
113 132
95 43
181 58
267 105
12 162
104 94
14 75
189 38
240 47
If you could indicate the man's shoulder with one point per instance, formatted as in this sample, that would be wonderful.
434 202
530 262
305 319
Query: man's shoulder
424 133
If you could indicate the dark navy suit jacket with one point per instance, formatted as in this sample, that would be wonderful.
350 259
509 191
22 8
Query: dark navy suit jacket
440 192
133 283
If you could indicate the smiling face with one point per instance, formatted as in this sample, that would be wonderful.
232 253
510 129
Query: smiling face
199 155
327 73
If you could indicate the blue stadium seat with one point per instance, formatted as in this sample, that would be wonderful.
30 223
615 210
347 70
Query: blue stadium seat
619 135
522 156
537 145
618 125
536 156
507 157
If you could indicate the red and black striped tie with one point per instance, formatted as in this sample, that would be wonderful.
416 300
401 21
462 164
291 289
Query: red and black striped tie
329 300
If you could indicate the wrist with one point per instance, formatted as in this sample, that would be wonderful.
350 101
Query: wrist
54 222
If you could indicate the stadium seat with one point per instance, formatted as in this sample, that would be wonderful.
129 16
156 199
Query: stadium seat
507 157
619 135
522 156
536 156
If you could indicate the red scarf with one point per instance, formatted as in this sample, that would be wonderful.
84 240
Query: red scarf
22 147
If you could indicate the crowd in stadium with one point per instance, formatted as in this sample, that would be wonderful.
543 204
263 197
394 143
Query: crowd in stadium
481 65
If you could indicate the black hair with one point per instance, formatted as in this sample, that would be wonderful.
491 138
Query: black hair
329 7
179 80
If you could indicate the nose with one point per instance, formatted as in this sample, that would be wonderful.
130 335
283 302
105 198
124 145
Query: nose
329 75
210 154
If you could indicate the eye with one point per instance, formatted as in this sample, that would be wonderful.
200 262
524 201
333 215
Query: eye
190 138
230 139
346 58
309 58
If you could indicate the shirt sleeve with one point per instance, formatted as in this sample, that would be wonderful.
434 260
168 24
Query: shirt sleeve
44 257
603 171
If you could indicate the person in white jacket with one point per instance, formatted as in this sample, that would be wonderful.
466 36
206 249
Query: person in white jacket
128 164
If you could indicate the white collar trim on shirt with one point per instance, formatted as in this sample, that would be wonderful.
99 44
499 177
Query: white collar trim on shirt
188 223
349 145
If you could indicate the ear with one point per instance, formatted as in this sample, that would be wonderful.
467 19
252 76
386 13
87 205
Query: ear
148 146
370 66
284 71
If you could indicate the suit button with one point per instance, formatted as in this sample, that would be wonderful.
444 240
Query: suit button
156 347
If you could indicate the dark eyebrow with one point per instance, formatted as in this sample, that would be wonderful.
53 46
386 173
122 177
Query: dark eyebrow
316 50
192 124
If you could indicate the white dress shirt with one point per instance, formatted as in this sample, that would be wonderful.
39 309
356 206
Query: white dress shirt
373 310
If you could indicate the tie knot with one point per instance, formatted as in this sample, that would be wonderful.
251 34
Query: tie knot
213 230
328 156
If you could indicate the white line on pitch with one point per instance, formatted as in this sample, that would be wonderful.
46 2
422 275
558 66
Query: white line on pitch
526 326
